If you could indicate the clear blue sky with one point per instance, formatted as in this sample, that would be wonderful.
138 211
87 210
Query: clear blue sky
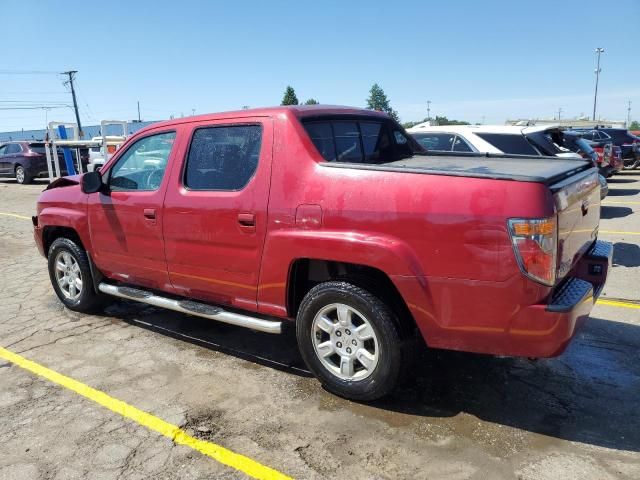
491 59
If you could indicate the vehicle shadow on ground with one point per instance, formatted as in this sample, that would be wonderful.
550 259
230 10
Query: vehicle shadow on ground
626 254
274 351
589 394
35 181
608 212
621 180
620 192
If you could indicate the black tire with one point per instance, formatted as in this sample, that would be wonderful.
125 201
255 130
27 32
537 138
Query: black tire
631 164
23 176
88 300
386 373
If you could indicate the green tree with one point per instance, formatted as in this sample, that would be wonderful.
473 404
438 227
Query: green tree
410 124
635 125
436 121
312 101
290 97
378 101
446 121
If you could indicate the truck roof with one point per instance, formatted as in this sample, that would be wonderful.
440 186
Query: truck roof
297 110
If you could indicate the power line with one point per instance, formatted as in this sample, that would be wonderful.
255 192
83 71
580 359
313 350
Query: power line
42 107
28 72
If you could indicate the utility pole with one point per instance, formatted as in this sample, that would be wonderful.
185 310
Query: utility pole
559 113
139 112
428 110
71 74
628 114
599 51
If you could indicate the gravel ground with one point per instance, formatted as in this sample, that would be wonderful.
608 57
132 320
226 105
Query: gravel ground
464 417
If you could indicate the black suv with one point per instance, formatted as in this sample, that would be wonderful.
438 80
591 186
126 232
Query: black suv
27 160
630 144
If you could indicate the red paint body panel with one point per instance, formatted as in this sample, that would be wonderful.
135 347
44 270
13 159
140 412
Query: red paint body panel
442 240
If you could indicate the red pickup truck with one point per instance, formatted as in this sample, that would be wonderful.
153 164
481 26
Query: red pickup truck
333 220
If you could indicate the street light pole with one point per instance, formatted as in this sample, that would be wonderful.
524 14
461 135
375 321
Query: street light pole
599 51
428 110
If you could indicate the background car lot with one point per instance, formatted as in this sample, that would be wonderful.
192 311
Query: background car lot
461 416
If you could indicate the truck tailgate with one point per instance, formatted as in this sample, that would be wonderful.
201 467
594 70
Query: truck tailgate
577 202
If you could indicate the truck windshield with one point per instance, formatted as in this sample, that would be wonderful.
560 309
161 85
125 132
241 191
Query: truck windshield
360 140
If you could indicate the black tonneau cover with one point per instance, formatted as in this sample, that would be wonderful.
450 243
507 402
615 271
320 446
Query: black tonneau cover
523 168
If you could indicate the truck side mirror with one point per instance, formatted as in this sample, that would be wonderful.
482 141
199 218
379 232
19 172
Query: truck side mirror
91 182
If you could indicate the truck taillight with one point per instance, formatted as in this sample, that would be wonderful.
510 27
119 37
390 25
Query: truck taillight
535 242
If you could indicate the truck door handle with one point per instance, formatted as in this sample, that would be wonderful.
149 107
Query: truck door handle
150 213
247 220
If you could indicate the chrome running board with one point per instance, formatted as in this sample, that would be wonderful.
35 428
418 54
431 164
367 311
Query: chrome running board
192 308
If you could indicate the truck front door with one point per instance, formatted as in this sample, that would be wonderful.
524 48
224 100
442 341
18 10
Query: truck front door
125 220
215 211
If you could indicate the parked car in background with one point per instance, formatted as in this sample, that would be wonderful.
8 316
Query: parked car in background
276 216
574 142
515 140
508 139
27 160
629 143
608 157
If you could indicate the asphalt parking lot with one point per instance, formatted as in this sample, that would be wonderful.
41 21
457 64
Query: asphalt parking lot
462 417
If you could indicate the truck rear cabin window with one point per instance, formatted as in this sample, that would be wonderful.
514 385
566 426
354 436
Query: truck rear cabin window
223 158
358 141
511 144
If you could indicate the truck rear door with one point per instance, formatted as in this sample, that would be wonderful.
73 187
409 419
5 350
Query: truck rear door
215 211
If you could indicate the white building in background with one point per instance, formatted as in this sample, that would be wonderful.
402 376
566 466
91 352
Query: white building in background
568 122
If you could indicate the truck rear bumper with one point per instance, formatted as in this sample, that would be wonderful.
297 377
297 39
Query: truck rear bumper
537 330
545 330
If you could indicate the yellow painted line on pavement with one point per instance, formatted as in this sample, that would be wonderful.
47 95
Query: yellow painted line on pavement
614 303
173 432
614 232
620 203
21 217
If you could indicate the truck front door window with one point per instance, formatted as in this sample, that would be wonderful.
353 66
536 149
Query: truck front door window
143 165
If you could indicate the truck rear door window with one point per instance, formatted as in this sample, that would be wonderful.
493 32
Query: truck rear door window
223 158
358 141
511 144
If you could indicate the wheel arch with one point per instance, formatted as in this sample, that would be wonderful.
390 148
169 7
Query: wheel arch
51 233
305 273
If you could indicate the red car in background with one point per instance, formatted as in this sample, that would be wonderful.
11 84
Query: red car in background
609 158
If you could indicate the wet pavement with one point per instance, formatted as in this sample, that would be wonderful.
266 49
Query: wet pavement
461 416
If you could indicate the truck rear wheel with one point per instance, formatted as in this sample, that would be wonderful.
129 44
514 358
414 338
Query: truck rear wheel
349 339
71 278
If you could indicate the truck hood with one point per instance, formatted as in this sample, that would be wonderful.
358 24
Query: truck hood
64 182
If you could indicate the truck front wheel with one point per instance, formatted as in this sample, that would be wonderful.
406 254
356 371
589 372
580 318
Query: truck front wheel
71 276
350 340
